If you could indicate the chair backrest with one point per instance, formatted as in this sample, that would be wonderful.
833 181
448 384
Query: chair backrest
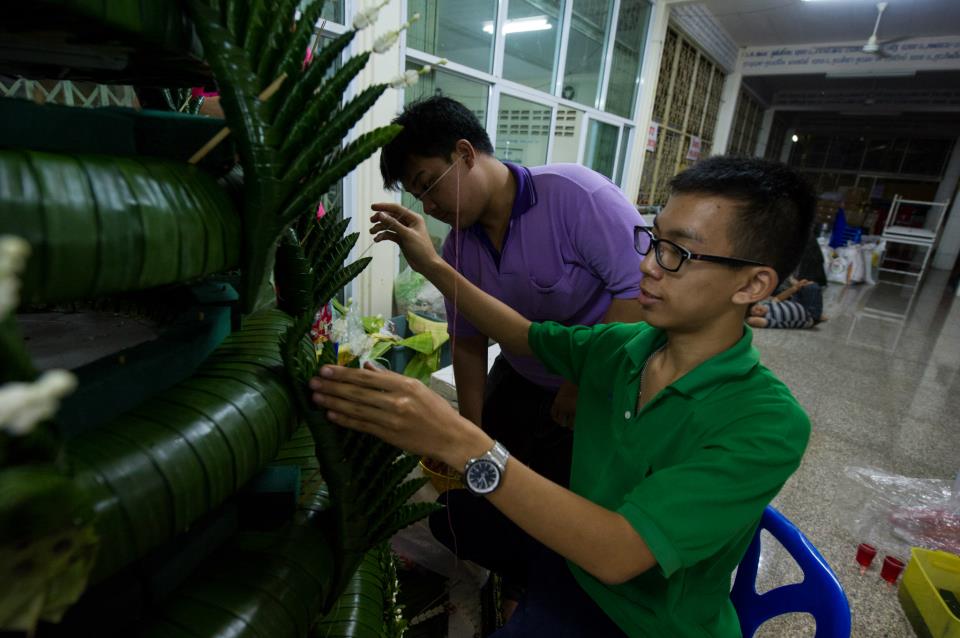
819 594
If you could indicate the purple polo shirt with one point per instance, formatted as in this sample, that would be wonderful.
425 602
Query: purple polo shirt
567 253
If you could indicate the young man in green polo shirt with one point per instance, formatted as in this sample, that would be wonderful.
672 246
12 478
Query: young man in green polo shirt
681 436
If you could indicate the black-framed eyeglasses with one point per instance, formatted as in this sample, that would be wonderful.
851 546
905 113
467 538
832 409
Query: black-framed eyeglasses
670 256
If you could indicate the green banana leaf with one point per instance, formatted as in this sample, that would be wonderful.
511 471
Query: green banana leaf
261 583
103 225
273 583
155 470
367 606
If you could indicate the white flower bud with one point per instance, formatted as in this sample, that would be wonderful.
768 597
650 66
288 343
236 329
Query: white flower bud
13 257
365 18
387 40
409 78
23 405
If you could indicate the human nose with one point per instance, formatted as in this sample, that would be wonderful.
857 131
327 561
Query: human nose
649 266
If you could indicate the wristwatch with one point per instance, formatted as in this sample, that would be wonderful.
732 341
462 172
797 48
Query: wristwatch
482 475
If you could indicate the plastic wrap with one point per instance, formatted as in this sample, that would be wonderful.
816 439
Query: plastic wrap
895 513
413 293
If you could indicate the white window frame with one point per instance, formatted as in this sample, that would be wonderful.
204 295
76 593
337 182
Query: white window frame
626 127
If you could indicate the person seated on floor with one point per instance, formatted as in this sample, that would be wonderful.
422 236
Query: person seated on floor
681 438
798 305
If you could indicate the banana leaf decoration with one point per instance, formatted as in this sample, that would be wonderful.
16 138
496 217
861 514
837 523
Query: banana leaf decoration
273 583
290 144
155 470
366 477
368 605
102 225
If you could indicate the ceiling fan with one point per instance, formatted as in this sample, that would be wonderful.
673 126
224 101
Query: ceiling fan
872 46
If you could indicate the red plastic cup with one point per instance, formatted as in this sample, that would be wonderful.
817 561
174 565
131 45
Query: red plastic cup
891 569
865 554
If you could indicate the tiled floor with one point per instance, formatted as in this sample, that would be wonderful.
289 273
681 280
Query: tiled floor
880 393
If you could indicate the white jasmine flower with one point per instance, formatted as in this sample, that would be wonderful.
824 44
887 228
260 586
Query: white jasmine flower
13 257
409 78
23 405
387 40
368 16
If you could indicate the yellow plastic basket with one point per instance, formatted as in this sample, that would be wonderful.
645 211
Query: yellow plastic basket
442 477
929 572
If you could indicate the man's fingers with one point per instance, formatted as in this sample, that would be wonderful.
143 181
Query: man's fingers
376 380
350 408
388 210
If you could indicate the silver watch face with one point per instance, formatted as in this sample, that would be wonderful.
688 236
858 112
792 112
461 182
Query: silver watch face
483 476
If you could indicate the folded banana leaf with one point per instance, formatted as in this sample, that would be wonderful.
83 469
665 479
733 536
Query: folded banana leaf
102 225
155 470
274 583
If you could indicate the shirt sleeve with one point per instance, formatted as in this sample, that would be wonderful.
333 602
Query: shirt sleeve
603 236
564 350
457 325
688 512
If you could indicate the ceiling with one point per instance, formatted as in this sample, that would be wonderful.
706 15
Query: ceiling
782 22
795 22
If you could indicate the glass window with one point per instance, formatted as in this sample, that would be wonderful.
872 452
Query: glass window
471 93
627 53
459 31
622 161
531 42
601 153
585 50
567 134
332 11
523 131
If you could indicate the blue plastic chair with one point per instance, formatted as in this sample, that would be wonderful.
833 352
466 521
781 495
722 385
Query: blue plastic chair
819 594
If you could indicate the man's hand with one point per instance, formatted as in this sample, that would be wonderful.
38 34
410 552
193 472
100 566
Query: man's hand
564 408
399 410
408 230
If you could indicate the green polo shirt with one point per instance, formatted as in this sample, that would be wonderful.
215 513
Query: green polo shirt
691 472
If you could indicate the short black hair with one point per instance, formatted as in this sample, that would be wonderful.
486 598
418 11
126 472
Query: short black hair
431 128
775 216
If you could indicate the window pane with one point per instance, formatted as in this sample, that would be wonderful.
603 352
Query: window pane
585 50
468 92
523 130
332 11
453 29
627 53
566 135
531 39
621 163
601 147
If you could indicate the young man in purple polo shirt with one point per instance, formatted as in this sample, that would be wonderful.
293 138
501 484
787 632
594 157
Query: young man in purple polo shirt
552 242
682 436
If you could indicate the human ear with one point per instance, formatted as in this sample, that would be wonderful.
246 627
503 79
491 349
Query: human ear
464 151
759 283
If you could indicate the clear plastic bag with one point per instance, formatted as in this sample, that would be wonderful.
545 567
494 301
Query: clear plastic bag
895 513
413 293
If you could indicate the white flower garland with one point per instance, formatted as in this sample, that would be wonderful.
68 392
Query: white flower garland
23 405
13 257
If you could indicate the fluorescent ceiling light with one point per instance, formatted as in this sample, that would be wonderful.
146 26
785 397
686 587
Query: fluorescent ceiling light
522 25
